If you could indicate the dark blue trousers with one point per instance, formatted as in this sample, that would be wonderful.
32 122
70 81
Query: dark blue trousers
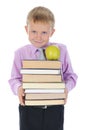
37 118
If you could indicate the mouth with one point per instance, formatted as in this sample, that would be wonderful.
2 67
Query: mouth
38 42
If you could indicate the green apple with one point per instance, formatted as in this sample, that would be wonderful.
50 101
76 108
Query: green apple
52 52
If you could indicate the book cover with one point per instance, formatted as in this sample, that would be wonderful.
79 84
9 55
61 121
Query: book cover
43 85
39 71
41 64
44 90
41 78
45 96
44 102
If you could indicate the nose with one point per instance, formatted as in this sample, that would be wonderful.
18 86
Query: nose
39 36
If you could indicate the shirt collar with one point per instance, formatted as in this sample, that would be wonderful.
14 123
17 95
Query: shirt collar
34 49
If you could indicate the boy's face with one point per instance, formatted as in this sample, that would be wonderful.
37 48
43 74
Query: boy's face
39 33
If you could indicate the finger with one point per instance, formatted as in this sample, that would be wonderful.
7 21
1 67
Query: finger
21 99
65 101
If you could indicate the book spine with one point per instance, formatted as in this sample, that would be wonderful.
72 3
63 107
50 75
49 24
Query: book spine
44 85
40 71
41 78
44 90
41 64
43 102
45 96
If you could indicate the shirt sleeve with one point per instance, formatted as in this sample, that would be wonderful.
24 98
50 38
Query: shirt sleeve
16 78
69 76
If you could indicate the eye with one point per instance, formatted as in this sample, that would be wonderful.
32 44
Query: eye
34 32
44 32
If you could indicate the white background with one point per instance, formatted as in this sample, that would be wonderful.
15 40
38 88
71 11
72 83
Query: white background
71 30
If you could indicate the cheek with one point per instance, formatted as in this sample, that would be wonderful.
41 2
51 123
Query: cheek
47 37
30 36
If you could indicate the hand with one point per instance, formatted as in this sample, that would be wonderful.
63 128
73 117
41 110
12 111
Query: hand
21 95
66 93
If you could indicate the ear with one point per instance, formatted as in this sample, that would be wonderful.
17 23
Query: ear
26 28
52 32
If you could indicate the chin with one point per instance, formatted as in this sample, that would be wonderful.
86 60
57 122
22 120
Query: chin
39 45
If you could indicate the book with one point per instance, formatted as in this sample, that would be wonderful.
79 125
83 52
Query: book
43 85
44 102
41 78
44 90
41 64
39 71
45 96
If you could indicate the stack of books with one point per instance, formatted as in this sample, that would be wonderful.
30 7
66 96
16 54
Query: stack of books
42 82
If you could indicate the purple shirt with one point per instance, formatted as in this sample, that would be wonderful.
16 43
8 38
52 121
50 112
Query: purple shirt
30 52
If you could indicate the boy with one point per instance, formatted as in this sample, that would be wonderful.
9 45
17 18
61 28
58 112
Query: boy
40 27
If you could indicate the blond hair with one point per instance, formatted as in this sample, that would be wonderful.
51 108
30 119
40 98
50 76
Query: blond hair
41 14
